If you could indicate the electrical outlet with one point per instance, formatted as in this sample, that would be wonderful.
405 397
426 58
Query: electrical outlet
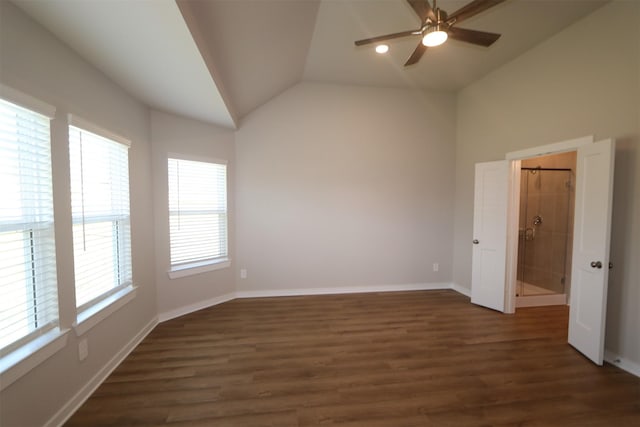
83 349
243 273
435 266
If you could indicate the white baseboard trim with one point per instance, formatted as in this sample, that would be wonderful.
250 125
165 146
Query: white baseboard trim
344 290
181 311
87 390
622 363
461 290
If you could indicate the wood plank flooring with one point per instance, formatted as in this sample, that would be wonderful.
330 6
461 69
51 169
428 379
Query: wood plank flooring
389 359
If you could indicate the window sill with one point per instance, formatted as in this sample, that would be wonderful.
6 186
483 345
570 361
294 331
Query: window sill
198 268
22 360
95 314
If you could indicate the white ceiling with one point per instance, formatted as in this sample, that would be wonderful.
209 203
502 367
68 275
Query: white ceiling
144 46
452 66
259 47
217 60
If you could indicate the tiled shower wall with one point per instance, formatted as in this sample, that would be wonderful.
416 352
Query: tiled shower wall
546 260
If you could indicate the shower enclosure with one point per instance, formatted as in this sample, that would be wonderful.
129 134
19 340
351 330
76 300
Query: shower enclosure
545 233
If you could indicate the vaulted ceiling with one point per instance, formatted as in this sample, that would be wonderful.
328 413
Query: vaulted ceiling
218 60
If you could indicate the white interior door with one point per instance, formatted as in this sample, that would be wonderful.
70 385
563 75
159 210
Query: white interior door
590 265
490 234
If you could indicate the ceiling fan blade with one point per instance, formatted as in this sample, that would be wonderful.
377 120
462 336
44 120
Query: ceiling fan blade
387 37
416 55
472 9
481 38
423 10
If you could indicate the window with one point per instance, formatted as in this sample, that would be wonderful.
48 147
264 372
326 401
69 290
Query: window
197 214
28 283
100 209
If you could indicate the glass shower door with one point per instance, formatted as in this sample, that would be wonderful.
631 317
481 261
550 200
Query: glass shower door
545 231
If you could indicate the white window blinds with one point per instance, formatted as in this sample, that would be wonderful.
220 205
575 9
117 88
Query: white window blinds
197 212
28 283
100 209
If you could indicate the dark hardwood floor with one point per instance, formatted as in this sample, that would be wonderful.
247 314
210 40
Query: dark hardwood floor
388 359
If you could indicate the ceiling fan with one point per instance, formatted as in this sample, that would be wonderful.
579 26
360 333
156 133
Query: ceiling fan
437 26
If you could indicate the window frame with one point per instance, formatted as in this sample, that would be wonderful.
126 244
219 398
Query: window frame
190 268
21 356
98 308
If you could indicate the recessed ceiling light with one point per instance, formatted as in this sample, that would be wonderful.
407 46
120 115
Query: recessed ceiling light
382 48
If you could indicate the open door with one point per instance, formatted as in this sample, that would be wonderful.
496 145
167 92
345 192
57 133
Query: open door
590 266
490 234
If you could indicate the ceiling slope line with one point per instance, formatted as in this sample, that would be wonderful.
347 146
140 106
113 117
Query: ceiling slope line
207 57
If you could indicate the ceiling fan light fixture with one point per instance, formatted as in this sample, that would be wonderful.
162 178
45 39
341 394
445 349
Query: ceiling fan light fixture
434 37
382 48
436 26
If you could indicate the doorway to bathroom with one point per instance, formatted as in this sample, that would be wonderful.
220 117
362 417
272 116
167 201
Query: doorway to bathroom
496 233
545 229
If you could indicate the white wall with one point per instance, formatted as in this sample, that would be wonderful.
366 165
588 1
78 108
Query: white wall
583 81
174 134
345 187
36 63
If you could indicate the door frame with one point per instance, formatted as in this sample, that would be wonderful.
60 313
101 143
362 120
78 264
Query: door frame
513 207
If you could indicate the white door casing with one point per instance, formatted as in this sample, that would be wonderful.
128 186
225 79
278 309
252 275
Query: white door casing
590 264
490 234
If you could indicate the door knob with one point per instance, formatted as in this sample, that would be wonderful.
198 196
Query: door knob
596 264
476 241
